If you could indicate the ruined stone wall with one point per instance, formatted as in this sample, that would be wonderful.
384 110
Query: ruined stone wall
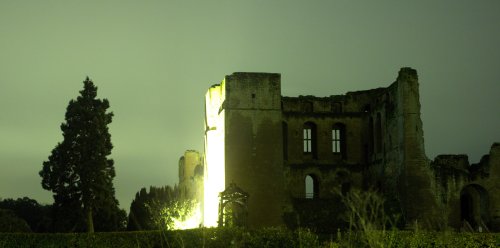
253 144
384 146
451 175
469 192
493 186
323 164
403 159
485 178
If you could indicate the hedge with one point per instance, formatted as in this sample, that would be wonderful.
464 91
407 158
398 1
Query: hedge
203 237
237 237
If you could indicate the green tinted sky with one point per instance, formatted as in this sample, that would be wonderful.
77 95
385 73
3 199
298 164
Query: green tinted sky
154 61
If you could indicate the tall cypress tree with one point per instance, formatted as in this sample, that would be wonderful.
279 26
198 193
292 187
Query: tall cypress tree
78 171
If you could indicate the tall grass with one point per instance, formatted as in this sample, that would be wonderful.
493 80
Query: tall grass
369 225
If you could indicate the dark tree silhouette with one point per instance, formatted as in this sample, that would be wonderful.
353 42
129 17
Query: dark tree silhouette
78 171
10 222
36 215
144 209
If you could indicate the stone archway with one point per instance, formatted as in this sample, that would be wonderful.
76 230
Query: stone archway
474 207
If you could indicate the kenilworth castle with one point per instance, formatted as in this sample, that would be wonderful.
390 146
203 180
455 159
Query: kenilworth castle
271 160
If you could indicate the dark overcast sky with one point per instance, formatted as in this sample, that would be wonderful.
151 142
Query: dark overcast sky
155 60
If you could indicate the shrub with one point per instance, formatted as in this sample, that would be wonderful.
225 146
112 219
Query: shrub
9 222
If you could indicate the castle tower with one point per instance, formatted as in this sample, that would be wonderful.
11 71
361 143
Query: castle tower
244 142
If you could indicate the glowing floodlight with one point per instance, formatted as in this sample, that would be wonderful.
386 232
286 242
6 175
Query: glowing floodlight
192 220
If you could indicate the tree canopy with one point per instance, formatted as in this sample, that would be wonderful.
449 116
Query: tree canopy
37 216
79 172
146 207
10 222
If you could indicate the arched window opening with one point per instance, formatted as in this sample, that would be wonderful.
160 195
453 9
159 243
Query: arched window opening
474 208
309 138
312 187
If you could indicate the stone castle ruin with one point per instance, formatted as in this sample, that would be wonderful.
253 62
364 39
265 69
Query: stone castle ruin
291 156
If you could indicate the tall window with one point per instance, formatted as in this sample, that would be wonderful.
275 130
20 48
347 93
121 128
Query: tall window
307 139
309 136
338 139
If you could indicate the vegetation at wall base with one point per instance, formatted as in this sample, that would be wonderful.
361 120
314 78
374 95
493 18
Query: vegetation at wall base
239 237
146 208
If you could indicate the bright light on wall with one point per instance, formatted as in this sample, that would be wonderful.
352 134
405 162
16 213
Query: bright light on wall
192 220
214 178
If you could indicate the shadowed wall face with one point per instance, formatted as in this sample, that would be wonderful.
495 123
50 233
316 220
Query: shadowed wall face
253 138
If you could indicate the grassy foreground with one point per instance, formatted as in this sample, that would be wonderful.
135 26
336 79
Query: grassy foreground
236 237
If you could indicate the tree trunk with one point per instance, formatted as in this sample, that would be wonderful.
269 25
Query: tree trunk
90 221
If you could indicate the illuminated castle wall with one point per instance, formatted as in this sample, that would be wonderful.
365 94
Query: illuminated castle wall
214 175
272 147
243 145
191 175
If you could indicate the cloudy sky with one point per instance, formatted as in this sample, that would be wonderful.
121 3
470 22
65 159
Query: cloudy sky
154 60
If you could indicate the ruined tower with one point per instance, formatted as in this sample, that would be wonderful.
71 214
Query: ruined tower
191 175
244 144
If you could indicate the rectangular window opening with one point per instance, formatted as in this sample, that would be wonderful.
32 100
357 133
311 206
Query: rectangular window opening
307 140
336 141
